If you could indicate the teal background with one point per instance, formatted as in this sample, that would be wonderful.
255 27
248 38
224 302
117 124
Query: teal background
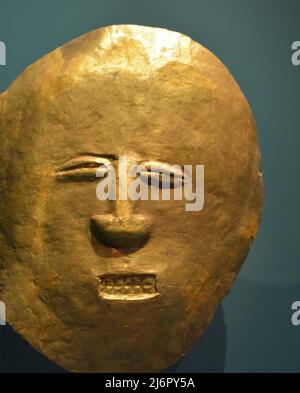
252 331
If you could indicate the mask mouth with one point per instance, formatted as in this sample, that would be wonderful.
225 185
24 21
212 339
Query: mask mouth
127 286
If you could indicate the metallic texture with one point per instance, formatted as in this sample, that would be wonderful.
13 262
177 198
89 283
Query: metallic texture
122 285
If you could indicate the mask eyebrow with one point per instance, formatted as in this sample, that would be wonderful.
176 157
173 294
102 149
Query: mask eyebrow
111 157
85 161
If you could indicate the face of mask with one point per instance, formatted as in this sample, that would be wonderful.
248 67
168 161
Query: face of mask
123 285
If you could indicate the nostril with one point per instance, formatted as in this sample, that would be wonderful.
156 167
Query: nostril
121 232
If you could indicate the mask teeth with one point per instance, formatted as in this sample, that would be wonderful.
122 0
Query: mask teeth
134 285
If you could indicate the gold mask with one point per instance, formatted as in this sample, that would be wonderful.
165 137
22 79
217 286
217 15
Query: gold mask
122 286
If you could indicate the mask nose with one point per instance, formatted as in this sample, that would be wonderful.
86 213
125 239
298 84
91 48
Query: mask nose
122 229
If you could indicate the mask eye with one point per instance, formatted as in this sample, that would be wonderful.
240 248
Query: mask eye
84 169
162 175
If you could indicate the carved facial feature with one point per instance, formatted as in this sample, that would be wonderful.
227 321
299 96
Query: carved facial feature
83 168
128 287
126 230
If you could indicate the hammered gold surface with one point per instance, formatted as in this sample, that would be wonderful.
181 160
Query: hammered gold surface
122 285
